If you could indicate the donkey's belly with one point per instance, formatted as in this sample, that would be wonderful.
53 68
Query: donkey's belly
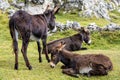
85 70
32 37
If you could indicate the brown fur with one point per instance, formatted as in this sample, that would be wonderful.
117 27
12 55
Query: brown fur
74 42
73 63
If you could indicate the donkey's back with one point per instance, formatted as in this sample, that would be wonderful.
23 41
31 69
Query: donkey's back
21 16
95 60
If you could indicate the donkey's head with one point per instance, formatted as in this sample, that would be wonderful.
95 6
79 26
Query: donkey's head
56 54
50 17
85 35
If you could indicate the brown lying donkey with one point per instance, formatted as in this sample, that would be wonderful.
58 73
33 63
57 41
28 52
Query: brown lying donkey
74 42
74 64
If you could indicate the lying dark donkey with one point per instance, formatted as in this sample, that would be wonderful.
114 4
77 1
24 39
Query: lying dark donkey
33 27
89 64
74 42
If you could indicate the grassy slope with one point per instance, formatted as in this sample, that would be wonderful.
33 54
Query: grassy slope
82 21
107 43
85 21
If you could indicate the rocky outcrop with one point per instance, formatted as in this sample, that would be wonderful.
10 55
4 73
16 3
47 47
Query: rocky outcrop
90 8
68 25
91 27
94 27
98 8
111 27
4 5
116 2
33 8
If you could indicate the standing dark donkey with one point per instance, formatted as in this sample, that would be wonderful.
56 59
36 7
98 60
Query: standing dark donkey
89 64
33 27
74 42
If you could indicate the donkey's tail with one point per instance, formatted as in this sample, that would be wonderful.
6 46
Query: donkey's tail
12 29
14 34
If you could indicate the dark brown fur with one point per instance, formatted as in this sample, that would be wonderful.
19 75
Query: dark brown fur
27 25
74 42
73 63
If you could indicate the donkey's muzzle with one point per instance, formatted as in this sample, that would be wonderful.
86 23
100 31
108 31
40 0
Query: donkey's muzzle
52 65
89 42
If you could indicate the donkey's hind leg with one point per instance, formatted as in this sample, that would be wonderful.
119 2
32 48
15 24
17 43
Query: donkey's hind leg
98 72
15 48
25 43
71 72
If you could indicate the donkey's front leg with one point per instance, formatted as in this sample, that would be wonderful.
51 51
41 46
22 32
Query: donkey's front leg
39 51
24 52
45 50
71 72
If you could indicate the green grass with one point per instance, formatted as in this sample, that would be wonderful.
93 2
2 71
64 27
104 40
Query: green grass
83 21
42 71
105 40
107 43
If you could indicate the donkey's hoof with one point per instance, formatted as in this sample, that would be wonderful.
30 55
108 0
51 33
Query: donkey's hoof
48 60
40 60
88 75
30 67
16 67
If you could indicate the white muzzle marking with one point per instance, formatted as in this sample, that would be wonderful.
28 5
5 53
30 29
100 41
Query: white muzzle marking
89 42
52 64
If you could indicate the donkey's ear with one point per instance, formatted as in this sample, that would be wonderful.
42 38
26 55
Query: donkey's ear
56 9
47 8
79 29
63 43
90 64
61 46
83 29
